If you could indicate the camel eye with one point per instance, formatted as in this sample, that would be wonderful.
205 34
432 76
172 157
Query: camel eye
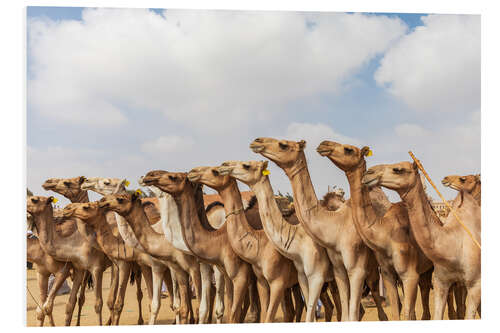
106 183
215 172
120 200
246 166
462 179
172 178
283 146
86 207
67 184
33 200
398 170
348 150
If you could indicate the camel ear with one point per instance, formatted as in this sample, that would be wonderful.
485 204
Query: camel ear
302 144
366 151
81 180
137 194
51 200
415 166
478 178
264 166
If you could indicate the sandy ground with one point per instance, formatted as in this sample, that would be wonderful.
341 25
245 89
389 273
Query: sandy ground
129 315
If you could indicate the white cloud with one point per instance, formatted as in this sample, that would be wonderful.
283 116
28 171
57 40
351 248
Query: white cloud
167 144
437 67
195 66
410 130
315 133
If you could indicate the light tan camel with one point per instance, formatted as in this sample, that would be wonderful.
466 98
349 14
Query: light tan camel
470 184
206 243
353 262
161 270
388 236
456 258
71 189
74 249
122 256
45 265
130 208
274 272
310 259
333 200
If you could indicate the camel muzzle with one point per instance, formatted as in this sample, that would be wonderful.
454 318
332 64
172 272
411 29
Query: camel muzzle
224 170
192 177
256 148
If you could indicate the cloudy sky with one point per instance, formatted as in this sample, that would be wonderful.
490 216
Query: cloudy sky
116 93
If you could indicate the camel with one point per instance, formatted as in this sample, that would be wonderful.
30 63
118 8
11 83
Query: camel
122 256
206 243
274 272
387 236
454 255
470 184
333 200
161 270
353 262
74 249
310 259
71 189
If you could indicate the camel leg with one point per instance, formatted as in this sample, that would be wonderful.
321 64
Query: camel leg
441 289
452 314
287 306
245 305
156 299
255 306
473 300
425 290
356 281
113 289
373 282
59 279
147 273
336 298
299 302
315 284
43 283
138 283
175 300
97 274
230 295
240 287
460 293
264 291
204 297
342 281
277 289
70 306
327 303
304 287
183 280
81 296
196 278
392 294
123 277
220 282
410 286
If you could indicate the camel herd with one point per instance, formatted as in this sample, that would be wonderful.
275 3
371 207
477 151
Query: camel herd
243 260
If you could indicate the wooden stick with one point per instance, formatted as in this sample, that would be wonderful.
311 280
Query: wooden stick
421 167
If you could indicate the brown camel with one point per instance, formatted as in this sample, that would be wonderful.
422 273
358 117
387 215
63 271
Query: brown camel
456 258
71 189
388 236
310 259
333 200
353 262
74 249
206 243
274 272
470 184
122 256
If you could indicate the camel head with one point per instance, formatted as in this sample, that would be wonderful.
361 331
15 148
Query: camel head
333 200
171 182
83 211
344 156
398 177
69 187
156 191
250 172
282 152
50 184
119 203
462 183
105 186
209 176
38 204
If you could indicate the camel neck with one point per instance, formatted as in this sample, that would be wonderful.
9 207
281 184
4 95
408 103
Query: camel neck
242 236
425 224
275 226
150 240
476 193
199 240
303 189
81 197
46 231
364 215
111 245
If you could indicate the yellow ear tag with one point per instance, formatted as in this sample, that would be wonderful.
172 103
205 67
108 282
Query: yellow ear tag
138 192
127 183
370 153
54 200
266 172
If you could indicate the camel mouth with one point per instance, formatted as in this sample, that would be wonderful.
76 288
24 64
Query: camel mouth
104 205
370 182
192 177
445 183
141 181
149 181
323 151
224 170
256 147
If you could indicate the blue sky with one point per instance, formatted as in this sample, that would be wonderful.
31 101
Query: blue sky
117 93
